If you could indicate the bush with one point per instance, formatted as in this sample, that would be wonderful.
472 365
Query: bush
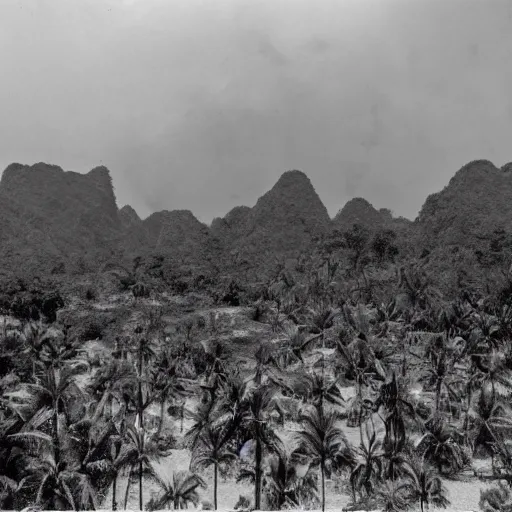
243 503
179 286
90 294
95 360
126 282
496 499
165 441
232 294
92 330
140 290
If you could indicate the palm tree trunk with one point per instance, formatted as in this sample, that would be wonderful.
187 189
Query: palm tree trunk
257 474
140 486
466 419
110 407
127 493
140 405
421 505
114 486
439 383
215 484
162 414
56 443
360 400
322 471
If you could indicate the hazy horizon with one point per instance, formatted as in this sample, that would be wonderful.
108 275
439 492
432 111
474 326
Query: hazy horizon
202 105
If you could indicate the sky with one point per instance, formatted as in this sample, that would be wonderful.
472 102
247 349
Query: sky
203 104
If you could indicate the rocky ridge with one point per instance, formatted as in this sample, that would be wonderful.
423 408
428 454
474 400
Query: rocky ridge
49 216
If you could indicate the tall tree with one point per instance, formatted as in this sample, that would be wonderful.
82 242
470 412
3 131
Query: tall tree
212 449
323 442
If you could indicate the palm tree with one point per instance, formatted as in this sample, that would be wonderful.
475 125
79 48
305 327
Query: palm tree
439 445
490 369
165 382
145 352
369 470
34 336
358 360
293 345
425 485
93 446
212 449
441 357
58 390
393 409
216 355
322 390
59 349
255 409
116 381
55 484
180 490
138 453
10 490
393 495
20 444
322 319
290 481
323 442
60 486
491 417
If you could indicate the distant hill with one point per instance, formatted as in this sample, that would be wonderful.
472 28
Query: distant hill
360 211
129 217
476 202
57 221
176 234
232 226
50 216
284 220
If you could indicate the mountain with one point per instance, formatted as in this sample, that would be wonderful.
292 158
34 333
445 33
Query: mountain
476 202
360 211
129 217
284 220
180 232
53 220
49 215
226 231
177 234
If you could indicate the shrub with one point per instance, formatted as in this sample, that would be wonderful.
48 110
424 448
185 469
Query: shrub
140 290
126 282
51 303
92 330
496 499
90 294
243 503
179 286
232 294
165 441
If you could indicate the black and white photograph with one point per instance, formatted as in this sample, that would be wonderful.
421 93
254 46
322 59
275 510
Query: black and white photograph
256 255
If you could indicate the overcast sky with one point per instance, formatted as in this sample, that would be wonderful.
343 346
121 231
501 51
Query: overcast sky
202 105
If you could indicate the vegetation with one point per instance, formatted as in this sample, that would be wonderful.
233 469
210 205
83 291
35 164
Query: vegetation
318 382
